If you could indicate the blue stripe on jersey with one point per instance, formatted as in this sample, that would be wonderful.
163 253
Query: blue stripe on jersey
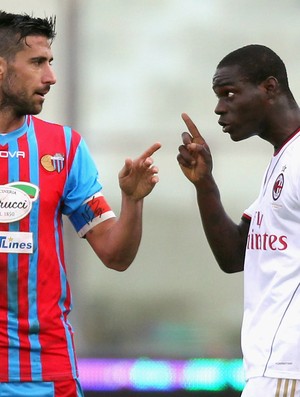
67 326
12 331
35 356
63 276
68 136
61 303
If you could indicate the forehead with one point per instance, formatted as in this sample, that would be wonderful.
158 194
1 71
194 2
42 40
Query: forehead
36 44
227 75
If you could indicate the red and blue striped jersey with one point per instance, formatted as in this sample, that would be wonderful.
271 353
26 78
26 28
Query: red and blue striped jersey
46 171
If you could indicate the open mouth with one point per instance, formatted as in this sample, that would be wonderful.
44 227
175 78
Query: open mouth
225 126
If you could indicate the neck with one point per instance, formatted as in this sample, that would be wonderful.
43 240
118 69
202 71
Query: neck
9 124
282 125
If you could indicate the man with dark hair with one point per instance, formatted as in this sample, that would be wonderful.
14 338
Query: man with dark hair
46 171
254 99
270 64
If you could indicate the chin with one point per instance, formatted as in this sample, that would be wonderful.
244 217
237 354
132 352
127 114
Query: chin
35 110
241 137
236 138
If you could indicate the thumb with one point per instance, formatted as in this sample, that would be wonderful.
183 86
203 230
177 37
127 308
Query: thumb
126 168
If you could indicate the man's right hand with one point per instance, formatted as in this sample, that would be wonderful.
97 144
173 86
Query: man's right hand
194 155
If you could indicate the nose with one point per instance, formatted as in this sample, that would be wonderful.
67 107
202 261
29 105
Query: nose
49 76
221 107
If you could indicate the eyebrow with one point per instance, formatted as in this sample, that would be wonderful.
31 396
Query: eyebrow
41 58
229 82
222 84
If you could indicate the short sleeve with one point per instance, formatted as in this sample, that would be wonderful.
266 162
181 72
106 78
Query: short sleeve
83 201
249 212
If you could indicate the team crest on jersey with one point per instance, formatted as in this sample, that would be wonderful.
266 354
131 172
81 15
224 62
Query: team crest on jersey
278 186
53 162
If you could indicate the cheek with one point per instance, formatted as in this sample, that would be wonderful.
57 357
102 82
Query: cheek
16 84
11 80
252 110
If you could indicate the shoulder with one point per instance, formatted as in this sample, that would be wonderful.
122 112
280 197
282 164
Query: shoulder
54 129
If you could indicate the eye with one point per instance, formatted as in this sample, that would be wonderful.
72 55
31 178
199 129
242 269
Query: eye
224 93
37 61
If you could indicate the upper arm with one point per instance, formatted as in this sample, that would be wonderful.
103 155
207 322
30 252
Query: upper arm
243 231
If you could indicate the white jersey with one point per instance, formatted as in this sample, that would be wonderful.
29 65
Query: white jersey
271 324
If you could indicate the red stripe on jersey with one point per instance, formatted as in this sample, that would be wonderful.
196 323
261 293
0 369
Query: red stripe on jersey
23 272
3 318
3 166
75 142
51 141
3 289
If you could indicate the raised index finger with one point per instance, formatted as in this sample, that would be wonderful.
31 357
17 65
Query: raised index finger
152 149
197 138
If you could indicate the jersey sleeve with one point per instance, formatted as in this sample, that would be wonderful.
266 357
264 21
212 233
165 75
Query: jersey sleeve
249 212
84 202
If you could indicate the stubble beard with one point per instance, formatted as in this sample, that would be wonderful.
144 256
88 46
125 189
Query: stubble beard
17 100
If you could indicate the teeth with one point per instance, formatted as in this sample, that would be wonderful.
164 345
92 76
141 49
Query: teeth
225 128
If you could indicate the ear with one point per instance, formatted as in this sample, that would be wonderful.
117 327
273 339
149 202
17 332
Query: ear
3 67
271 86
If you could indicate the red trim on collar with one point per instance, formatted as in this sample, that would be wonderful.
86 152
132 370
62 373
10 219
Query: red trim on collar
286 141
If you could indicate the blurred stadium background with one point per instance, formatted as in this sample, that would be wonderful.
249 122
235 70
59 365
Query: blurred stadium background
126 70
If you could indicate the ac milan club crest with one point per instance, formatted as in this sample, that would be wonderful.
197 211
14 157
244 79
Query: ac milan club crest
278 186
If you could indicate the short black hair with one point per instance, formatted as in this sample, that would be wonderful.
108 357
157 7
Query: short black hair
14 28
256 63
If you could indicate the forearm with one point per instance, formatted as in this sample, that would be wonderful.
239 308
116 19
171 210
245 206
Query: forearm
118 244
126 234
226 239
116 241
